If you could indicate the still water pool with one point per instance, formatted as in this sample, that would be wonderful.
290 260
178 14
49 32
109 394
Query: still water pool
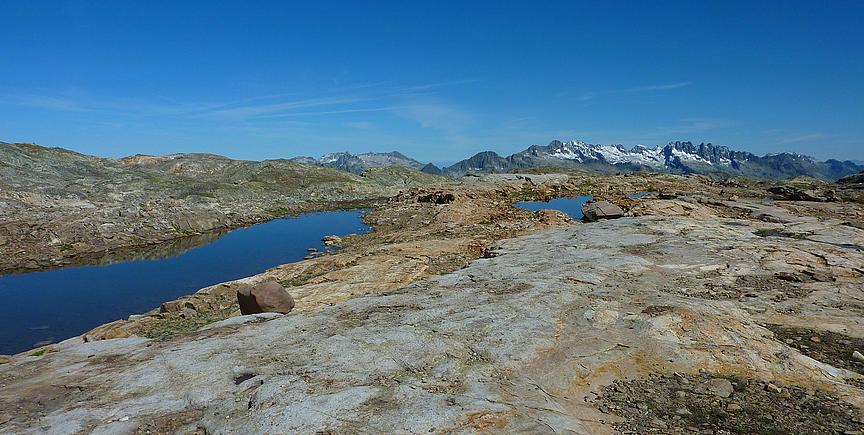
53 305
571 206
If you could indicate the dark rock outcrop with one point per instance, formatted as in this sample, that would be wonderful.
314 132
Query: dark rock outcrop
791 193
265 297
430 168
437 198
855 181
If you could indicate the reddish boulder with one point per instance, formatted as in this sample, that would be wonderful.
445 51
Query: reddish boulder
265 297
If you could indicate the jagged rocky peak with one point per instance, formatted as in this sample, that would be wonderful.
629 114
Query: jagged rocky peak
333 157
431 168
678 151
305 159
359 163
393 158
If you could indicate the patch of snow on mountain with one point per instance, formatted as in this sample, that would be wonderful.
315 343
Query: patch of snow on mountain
683 156
330 158
614 154
640 155
574 150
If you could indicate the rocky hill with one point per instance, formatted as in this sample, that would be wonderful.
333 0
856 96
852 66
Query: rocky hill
854 181
57 205
675 157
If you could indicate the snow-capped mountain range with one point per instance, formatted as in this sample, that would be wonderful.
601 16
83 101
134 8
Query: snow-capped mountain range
675 157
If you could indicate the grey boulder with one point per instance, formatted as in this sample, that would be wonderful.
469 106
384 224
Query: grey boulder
597 210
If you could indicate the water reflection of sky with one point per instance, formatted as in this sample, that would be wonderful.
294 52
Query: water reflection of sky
58 304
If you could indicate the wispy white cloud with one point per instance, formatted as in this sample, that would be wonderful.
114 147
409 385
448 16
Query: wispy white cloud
247 111
663 87
45 102
348 99
436 115
331 112
803 138
693 125
430 86
362 125
591 96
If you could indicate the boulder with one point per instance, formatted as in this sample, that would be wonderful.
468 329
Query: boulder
719 387
171 306
597 210
266 297
331 240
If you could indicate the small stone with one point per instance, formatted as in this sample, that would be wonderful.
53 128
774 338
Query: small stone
680 394
657 423
773 388
733 407
719 387
331 240
815 339
683 411
857 356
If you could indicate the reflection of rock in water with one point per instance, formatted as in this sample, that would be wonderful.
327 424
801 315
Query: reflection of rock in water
147 252
156 251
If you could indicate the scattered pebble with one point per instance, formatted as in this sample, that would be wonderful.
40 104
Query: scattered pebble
773 388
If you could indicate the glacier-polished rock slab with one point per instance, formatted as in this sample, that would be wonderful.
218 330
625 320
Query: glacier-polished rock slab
519 342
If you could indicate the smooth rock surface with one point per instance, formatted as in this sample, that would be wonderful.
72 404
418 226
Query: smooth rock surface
519 342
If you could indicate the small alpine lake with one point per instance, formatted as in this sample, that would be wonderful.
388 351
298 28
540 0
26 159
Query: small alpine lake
570 205
50 306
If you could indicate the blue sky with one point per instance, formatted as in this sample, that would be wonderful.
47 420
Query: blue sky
435 80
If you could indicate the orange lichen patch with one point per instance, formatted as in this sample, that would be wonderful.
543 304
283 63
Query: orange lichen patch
487 422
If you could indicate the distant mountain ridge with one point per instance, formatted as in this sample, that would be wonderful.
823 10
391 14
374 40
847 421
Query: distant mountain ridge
359 163
675 157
